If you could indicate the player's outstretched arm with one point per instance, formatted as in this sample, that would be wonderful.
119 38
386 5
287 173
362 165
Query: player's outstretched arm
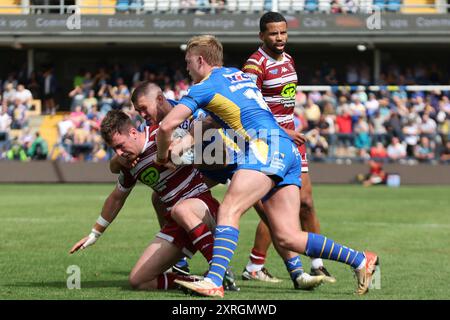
112 206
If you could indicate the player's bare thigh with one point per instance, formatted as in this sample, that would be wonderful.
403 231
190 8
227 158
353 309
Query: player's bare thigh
188 213
282 210
246 188
160 207
157 258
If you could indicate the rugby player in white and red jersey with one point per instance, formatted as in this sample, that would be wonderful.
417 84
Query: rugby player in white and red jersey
191 209
273 70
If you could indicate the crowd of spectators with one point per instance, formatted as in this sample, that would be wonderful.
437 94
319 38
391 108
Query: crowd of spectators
358 125
257 6
227 6
406 127
391 74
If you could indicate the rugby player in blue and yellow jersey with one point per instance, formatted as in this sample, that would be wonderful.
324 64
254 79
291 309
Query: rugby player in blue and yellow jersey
270 170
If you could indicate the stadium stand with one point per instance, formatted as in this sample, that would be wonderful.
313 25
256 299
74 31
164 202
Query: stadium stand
110 7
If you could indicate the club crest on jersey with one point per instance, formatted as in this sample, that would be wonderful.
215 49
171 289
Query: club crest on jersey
150 176
289 90
237 77
274 71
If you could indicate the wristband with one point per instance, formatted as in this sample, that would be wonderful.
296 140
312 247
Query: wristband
101 221
92 238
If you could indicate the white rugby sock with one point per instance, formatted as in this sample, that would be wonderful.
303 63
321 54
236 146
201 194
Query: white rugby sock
316 263
251 267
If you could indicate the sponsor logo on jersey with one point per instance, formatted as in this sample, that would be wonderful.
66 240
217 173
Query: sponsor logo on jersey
253 76
237 77
289 90
150 176
288 103
274 71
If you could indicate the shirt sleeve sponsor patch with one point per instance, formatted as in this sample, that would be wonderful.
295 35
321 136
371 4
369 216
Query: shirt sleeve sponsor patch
252 67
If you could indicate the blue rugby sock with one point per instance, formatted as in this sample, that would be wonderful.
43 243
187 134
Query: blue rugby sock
319 246
225 242
294 267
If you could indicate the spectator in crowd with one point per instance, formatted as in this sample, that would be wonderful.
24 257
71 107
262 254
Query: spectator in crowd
424 151
394 125
24 95
38 149
120 94
16 152
78 117
5 119
77 97
343 105
317 144
88 84
396 150
362 138
26 139
49 87
372 105
9 95
106 100
79 78
90 102
20 117
411 132
378 151
312 113
344 128
357 109
379 131
428 126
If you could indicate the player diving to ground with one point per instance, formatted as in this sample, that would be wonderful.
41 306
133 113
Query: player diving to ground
190 213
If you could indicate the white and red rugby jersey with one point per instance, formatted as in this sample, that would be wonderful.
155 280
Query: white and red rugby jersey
277 81
172 185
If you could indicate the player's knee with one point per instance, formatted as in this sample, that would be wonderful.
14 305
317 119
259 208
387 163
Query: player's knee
137 283
180 214
134 281
284 241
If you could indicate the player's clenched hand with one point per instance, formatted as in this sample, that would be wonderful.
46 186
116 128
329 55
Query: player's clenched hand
298 137
129 164
86 241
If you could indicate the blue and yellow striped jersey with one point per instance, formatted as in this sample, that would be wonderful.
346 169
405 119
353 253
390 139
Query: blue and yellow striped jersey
235 102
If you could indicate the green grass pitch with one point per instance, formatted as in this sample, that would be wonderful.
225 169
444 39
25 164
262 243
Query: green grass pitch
408 227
